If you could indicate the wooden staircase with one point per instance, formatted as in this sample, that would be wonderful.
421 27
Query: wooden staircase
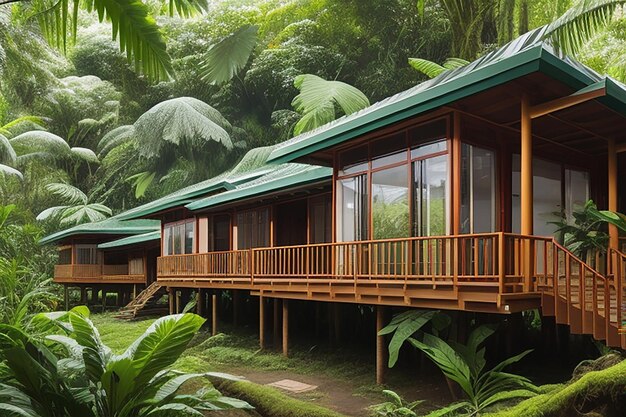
579 296
145 304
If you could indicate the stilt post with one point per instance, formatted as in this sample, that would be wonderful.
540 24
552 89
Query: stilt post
66 297
285 327
526 195
381 351
214 314
262 322
170 299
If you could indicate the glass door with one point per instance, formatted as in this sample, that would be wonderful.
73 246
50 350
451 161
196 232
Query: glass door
430 186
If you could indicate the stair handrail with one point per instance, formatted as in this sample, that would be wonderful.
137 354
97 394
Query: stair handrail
617 263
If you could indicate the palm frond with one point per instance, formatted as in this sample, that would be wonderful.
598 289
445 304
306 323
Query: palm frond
7 153
39 142
318 98
179 121
7 170
429 68
85 155
188 8
137 31
50 212
580 23
227 57
67 192
452 63
114 138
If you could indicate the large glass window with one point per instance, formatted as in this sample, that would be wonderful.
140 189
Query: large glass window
478 190
253 228
320 219
547 196
390 203
576 192
430 190
86 254
219 233
399 183
352 209
179 237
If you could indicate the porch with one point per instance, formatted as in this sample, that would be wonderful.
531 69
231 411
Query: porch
99 274
490 272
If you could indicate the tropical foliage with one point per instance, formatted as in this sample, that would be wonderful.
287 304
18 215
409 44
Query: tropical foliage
465 364
395 406
70 372
79 209
585 232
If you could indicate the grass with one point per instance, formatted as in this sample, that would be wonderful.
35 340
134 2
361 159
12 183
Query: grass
118 334
272 403
608 385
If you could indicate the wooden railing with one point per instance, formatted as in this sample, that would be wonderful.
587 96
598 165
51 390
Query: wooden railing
617 267
95 272
476 259
213 264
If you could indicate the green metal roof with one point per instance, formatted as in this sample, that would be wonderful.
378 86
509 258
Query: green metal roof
282 177
131 240
522 56
251 166
111 226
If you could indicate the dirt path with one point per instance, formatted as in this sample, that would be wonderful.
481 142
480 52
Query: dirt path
344 396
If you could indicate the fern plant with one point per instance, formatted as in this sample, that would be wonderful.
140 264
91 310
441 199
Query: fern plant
78 208
395 406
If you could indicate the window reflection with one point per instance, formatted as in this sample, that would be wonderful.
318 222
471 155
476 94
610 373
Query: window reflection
390 203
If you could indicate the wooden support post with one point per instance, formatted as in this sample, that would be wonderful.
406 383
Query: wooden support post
120 297
214 314
66 297
526 194
170 298
83 296
261 322
612 191
134 291
236 306
381 351
178 300
276 324
94 295
285 327
104 300
200 302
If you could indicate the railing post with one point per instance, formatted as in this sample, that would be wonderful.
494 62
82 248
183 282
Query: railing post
501 262
456 259
251 261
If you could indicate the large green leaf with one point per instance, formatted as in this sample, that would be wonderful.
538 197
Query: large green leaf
580 23
319 97
406 329
227 57
447 359
40 143
162 344
67 192
429 68
84 155
131 23
115 137
179 121
7 170
7 153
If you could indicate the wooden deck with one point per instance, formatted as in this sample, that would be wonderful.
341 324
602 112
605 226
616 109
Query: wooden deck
493 272
96 274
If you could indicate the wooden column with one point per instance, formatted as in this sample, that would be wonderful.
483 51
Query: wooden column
262 322
276 323
456 174
381 351
285 327
177 297
170 298
66 297
526 194
236 302
200 302
526 171
214 314
94 295
104 300
83 296
612 191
